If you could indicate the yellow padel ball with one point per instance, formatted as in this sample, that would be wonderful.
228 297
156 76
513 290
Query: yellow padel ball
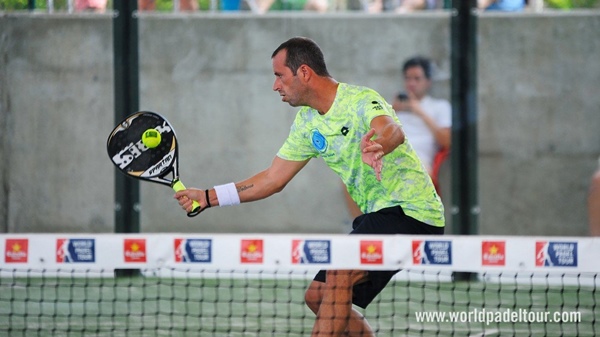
151 138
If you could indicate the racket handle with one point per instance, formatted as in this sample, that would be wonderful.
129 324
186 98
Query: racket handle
178 186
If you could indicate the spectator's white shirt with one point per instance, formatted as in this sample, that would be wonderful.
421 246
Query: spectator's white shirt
417 132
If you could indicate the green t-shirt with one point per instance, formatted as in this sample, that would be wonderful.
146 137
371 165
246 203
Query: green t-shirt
336 135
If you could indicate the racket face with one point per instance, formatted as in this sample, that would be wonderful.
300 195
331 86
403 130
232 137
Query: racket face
127 151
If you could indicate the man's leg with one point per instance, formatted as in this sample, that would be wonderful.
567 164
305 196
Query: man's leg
332 303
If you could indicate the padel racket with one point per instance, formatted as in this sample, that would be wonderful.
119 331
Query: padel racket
159 164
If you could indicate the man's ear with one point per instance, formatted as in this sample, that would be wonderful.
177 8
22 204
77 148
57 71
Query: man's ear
305 72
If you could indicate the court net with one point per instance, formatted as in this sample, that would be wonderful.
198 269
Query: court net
253 285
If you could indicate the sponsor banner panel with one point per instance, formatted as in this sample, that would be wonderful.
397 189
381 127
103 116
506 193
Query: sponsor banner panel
274 251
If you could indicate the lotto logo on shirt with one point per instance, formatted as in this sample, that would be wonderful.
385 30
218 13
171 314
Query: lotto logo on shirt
432 252
311 251
493 253
555 254
75 250
251 251
193 250
371 252
16 251
134 250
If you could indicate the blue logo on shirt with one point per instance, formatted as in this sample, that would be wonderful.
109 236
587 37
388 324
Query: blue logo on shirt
318 141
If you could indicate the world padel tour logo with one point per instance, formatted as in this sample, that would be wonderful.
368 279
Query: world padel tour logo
555 254
493 253
371 252
134 250
75 250
193 250
251 251
311 251
16 251
432 252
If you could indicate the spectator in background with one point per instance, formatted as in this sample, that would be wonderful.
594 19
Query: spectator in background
401 6
501 5
184 5
426 121
98 6
594 203
319 6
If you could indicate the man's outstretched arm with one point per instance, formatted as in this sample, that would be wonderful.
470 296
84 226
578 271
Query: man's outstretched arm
262 185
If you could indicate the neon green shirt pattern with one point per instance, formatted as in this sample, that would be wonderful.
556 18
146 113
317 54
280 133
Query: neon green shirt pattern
336 135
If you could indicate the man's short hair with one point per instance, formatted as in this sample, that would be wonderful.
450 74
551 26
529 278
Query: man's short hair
302 50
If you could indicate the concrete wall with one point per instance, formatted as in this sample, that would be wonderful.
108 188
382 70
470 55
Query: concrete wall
56 103
211 76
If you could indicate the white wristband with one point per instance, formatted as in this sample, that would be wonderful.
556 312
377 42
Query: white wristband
227 195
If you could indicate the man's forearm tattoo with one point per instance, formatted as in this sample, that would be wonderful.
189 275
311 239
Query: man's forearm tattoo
245 187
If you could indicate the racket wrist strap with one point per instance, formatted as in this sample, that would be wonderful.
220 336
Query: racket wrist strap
227 195
208 205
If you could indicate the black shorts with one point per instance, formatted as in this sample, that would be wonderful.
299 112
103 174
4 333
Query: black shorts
385 221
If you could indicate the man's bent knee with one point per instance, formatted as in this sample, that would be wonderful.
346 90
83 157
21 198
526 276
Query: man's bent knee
313 296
